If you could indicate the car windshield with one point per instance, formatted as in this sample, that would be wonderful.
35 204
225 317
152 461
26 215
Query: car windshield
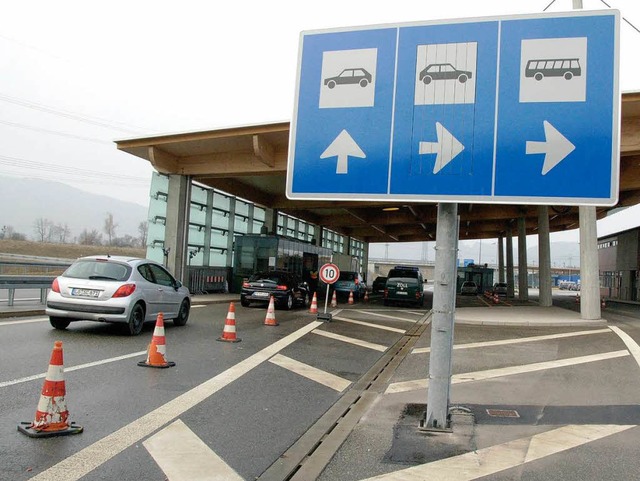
98 270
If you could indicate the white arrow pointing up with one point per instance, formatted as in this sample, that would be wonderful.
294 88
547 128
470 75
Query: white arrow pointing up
555 147
446 148
343 146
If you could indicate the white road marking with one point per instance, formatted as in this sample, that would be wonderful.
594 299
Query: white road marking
633 347
79 464
491 460
198 306
386 316
74 368
351 340
505 371
369 324
325 378
24 321
183 456
502 342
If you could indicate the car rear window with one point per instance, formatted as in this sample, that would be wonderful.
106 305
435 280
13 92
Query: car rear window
347 276
99 270
403 273
269 277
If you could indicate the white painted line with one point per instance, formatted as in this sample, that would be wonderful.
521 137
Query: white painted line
74 368
633 347
79 464
24 321
505 371
351 340
492 460
422 350
322 377
183 456
369 324
386 316
198 306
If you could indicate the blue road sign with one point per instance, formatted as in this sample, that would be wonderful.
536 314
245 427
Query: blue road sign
520 109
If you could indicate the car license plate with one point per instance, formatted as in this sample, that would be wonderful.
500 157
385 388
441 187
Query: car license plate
261 294
402 293
85 292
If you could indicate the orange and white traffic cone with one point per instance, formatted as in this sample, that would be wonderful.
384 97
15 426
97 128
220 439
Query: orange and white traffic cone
496 299
603 303
366 296
270 319
229 331
157 350
334 300
52 415
314 304
350 297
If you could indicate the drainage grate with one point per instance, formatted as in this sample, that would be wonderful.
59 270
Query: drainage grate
503 413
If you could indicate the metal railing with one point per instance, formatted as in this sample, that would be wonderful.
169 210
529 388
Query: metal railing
11 283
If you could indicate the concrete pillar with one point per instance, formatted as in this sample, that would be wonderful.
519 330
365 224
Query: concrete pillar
271 220
177 227
250 218
231 227
589 266
523 281
501 258
544 256
444 289
510 278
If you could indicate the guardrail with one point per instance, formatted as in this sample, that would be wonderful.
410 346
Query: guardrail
11 283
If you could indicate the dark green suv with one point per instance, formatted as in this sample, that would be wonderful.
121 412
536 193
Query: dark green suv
404 285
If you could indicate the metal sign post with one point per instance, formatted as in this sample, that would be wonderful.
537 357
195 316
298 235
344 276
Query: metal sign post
329 273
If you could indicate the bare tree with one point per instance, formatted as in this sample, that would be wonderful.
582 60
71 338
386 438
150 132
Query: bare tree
110 228
42 228
90 238
143 229
63 233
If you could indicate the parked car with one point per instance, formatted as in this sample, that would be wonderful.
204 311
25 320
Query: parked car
286 288
350 281
469 288
117 289
500 288
404 285
379 284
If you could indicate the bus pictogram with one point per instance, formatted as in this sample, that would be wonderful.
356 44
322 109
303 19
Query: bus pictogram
558 67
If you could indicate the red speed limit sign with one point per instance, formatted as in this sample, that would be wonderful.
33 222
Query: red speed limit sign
329 273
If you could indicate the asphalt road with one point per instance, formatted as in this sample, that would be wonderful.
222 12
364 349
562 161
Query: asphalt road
237 407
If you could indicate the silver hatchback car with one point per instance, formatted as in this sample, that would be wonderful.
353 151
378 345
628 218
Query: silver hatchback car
117 289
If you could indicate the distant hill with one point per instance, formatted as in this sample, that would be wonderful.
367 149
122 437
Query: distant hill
24 201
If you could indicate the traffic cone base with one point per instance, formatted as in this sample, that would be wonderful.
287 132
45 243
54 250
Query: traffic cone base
270 319
229 331
52 416
157 350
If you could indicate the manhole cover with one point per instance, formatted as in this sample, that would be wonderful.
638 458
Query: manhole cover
503 413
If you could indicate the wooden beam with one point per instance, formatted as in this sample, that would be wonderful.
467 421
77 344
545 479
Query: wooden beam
264 151
163 161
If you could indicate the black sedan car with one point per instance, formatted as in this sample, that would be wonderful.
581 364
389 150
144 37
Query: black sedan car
286 288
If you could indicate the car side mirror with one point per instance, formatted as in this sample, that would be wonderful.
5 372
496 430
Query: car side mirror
177 285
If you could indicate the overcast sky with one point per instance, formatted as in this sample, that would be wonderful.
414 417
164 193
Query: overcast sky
77 75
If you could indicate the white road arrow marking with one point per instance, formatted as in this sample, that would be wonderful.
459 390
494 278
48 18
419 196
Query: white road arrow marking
342 147
446 148
555 147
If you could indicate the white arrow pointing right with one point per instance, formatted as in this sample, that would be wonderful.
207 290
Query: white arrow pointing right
555 147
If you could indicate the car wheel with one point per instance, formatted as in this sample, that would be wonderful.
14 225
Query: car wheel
305 300
244 302
426 80
462 78
136 320
364 82
386 303
331 84
59 322
288 302
183 313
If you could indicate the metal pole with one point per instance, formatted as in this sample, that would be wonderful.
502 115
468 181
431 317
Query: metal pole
437 416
